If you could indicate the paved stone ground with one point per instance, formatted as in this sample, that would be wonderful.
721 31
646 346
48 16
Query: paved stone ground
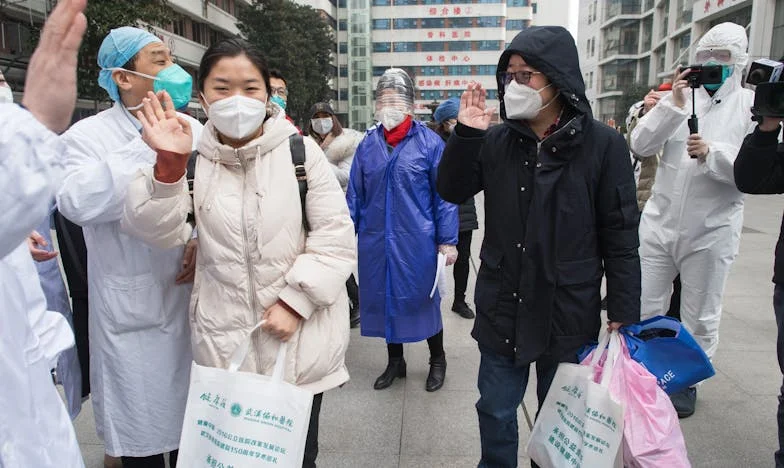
404 426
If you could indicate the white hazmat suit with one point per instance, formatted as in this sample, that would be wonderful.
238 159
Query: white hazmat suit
35 430
692 223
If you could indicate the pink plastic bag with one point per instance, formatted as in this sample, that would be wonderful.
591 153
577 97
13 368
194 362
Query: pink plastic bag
652 435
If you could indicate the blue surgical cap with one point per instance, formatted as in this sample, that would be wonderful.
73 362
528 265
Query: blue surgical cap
116 50
447 110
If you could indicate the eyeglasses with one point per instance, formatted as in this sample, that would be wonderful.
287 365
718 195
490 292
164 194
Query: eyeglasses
721 55
282 92
521 77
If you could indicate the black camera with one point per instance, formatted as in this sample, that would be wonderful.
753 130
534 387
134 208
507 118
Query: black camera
704 74
769 95
764 71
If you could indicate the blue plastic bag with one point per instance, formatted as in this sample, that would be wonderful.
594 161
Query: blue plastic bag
668 351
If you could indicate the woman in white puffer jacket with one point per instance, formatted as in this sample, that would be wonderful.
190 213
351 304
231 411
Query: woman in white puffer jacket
338 143
255 260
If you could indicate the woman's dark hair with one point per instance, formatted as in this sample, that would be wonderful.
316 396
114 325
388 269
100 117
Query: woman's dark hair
228 48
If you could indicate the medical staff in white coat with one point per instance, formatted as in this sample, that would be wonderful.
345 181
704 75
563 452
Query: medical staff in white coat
692 223
35 430
140 350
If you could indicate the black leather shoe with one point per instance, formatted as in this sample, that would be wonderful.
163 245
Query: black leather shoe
462 309
437 374
395 368
684 402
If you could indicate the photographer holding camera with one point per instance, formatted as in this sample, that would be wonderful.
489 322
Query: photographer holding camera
759 169
691 225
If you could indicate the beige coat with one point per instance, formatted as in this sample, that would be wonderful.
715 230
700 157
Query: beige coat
648 165
253 250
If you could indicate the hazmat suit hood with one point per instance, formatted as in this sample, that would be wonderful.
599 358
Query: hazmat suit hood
552 51
732 37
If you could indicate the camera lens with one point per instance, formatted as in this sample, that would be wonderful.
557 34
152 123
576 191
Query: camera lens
758 75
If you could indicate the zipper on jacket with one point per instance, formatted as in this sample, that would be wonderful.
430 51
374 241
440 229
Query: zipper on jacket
248 264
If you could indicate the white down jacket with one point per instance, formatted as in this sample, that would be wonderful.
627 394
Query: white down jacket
340 154
253 250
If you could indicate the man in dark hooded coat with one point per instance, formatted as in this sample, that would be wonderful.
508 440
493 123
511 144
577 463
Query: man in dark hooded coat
560 211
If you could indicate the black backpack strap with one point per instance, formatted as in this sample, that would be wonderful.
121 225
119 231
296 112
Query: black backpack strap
190 175
297 146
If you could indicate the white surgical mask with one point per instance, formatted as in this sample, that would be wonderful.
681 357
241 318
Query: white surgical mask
237 116
322 126
6 95
523 102
390 117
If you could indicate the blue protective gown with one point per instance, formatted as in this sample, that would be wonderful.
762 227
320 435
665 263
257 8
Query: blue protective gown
400 220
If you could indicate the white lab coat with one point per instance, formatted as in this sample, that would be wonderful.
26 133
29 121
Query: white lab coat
692 223
140 351
34 428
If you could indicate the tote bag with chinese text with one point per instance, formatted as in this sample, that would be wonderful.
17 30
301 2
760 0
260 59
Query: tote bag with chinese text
242 419
580 424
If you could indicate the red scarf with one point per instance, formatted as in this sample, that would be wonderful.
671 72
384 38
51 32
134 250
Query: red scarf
397 134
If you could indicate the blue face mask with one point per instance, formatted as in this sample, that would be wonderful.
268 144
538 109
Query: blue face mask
174 80
279 101
726 71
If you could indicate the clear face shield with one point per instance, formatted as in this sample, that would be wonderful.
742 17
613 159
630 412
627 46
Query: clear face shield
394 98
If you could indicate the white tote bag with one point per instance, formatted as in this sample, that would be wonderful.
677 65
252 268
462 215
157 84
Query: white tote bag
580 424
240 419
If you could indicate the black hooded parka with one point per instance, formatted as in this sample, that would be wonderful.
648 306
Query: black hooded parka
545 249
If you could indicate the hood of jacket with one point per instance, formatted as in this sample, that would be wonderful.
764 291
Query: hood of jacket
276 129
552 51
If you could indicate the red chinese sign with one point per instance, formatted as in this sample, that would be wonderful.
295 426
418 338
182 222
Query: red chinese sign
444 58
450 11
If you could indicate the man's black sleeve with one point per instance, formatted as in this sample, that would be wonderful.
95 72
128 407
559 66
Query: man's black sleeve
759 167
618 218
460 171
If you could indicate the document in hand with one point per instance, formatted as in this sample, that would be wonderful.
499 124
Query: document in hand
440 279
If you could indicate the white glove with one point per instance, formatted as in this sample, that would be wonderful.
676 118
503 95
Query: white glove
451 253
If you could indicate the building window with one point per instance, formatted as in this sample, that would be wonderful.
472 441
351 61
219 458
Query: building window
490 45
380 2
405 46
343 48
437 46
382 47
343 72
405 23
457 70
492 94
486 69
514 25
533 8
378 71
460 45
489 22
517 3
381 24
461 22
433 23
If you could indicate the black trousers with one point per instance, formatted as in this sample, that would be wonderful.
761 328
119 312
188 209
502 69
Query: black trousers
311 442
462 265
82 341
675 300
153 461
353 291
